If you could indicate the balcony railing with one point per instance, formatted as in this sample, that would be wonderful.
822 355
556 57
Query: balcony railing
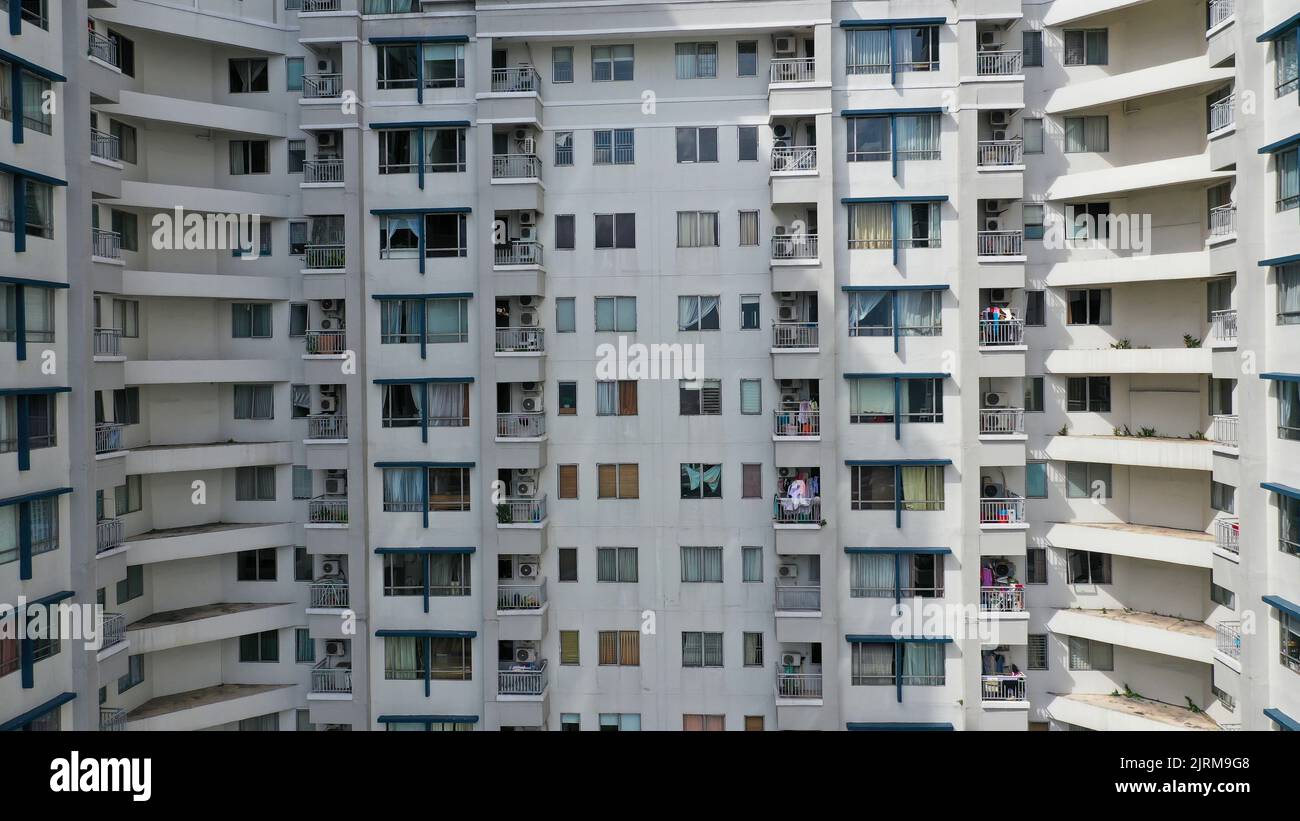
1227 638
1223 324
325 679
108 437
521 596
521 679
791 421
1005 510
108 535
798 597
1002 599
794 335
798 685
1002 688
102 48
1002 421
520 340
322 171
518 253
112 630
108 342
324 343
331 593
801 511
112 719
794 70
1225 430
1000 63
521 425
1221 10
1223 113
995 332
794 158
518 79
1227 535
327 510
104 146
1001 243
516 166
321 86
327 426
794 246
521 511
994 153
1223 221
324 257
105 244
321 5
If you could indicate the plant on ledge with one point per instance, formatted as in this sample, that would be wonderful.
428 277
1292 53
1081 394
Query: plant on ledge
1191 341
1122 345
504 516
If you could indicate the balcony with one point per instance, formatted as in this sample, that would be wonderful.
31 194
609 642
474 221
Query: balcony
327 680
996 333
1001 153
793 423
1000 244
516 167
795 336
328 426
329 594
518 512
112 630
1005 511
521 597
328 510
1002 599
108 438
797 511
520 340
322 86
108 342
1224 430
793 70
1002 421
999 63
517 80
322 172
521 679
1002 688
103 49
1227 535
108 535
521 425
324 343
798 685
1223 114
517 253
794 158
309 6
105 244
798 598
104 146
1227 638
1223 326
112 719
794 247
324 257
1221 11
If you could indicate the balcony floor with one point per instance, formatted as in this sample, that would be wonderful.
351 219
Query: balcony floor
1146 530
1146 708
203 611
162 705
195 530
1138 618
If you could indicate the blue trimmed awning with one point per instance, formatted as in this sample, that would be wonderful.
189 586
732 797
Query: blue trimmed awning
1278 603
415 380
1280 489
450 295
929 551
1280 29
34 283
1276 261
876 112
852 288
900 198
31 175
43 601
31 391
424 464
1283 720
422 124
898 462
428 38
382 551
1280 145
1274 376
855 638
895 22
897 375
427 634
460 209
36 712
31 497
28 65
429 719
898 726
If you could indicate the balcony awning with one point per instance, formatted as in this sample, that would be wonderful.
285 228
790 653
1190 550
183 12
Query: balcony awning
929 551
1276 261
1158 174
899 462
1281 145
852 288
31 175
32 391
427 719
1281 489
878 112
897 375
870 200
383 551
1280 29
898 726
1283 720
1279 603
35 283
36 712
414 380
857 638
426 634
422 124
428 38
448 295
33 68
424 464
894 22
1179 75
43 601
1070 11
461 209
1280 377
31 497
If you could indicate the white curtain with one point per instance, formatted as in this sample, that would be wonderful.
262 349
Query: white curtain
871 575
922 663
868 51
402 488
870 225
869 313
446 404
688 313
445 320
872 398
918 136
918 313
606 398
873 662
1288 294
401 235
748 228
8 533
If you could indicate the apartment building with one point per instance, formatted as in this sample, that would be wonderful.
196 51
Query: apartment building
976 413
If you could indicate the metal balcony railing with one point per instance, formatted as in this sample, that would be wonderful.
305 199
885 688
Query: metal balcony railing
1221 10
794 158
793 70
798 597
1223 113
521 425
995 332
1003 510
112 630
521 679
1223 221
332 593
1002 599
798 685
108 535
999 63
1227 638
1002 421
794 246
794 335
1227 535
516 166
105 244
1002 688
520 340
322 170
327 426
994 153
1000 243
105 146
108 342
112 719
793 422
108 437
102 48
803 511
327 510
321 5
521 596
325 679
324 257
521 511
321 86
514 80
1225 430
324 343
518 253
1223 324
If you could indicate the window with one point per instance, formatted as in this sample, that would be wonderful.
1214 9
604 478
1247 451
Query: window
1221 396
302 482
569 647
1033 394
261 647
36 12
1035 480
298 242
1288 294
304 649
1290 647
1285 70
867 51
1033 215
126 140
564 232
1223 596
697 229
260 724
1033 135
916 48
697 145
614 146
302 565
562 64
448 489
701 564
254 402
566 319
701 480
884 225
1084 567
444 65
134 673
1288 410
1088 394
1037 658
1084 134
699 723
1086 47
1035 308
563 148
702 397
875 575
132 587
248 75
618 481
872 401
749 312
1036 565
698 313
126 316
748 229
616 398
297 155
39 198
616 564
1032 45
299 401
1082 478
621 648
701 649
250 320
615 231
1088 221
873 664
126 226
255 565
751 396
127 498
125 53
297 319
747 136
697 61
255 484
616 313
446 320
293 69
751 564
1222 497
873 487
568 481
868 139
568 564
41 416
611 63
399 151
1087 654
747 58
568 398
126 407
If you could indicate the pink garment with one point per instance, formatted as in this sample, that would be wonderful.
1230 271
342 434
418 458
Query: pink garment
986 576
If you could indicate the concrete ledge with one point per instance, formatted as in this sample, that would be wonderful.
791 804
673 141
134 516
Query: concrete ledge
211 286
1175 454
1165 635
178 458
1104 712
213 539
1131 360
211 622
1161 544
204 371
213 706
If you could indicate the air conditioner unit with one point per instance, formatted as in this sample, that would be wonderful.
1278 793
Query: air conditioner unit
527 301
527 217
997 400
530 387
785 473
999 119
783 46
525 474
531 404
325 65
331 568
989 39
788 399
992 224
993 490
780 132
998 296
525 655
787 313
525 490
528 319
992 207
521 134
787 571
791 659
326 139
329 306
999 135
327 324
526 146
786 296
336 487
527 233
336 648
789 384
528 570
328 404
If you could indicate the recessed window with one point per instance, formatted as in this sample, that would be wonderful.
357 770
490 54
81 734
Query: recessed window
261 647
1087 47
697 61
611 63
248 75
254 402
701 480
701 564
1087 654
615 146
1088 394
1084 479
250 157
250 320
701 649
747 137
621 648
618 481
698 313
616 313
562 64
1084 567
697 145
255 565
747 58
255 484
700 397
615 231
616 564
